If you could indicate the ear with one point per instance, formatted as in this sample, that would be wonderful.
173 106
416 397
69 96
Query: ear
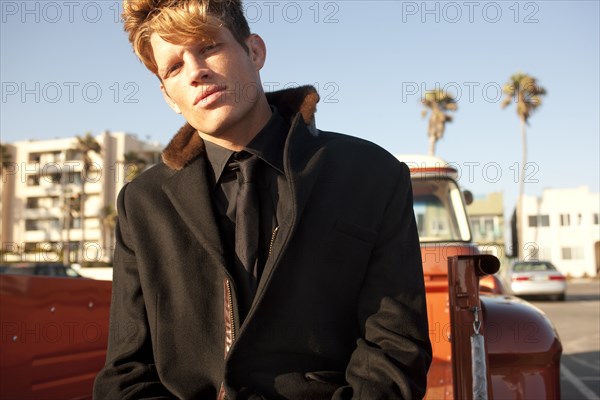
257 50
169 100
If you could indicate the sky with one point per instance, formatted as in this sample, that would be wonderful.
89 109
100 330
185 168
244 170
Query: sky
66 68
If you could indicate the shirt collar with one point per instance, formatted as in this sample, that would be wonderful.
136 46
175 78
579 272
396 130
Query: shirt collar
218 157
267 145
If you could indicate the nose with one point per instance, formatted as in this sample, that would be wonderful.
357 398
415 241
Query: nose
197 71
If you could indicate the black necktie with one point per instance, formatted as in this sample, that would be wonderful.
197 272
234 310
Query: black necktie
246 217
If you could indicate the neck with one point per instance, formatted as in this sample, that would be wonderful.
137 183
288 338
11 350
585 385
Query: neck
236 137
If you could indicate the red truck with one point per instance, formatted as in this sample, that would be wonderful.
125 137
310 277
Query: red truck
486 345
520 354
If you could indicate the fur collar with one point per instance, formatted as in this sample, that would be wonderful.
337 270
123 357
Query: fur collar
186 145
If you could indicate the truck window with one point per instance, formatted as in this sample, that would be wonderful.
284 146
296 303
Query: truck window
439 211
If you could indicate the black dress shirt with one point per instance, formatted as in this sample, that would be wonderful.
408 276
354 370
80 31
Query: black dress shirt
268 146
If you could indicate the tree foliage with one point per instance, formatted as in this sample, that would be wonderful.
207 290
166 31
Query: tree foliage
437 103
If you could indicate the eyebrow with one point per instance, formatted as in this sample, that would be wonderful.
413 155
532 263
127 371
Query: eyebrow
164 68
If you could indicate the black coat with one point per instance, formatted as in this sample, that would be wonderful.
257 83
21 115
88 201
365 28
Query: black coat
339 311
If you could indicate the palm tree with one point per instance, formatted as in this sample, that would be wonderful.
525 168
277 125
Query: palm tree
86 145
108 219
439 102
524 90
134 165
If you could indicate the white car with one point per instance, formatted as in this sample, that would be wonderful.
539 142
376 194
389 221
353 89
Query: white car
537 278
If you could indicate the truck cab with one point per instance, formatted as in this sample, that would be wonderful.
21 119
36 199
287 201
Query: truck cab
522 348
55 330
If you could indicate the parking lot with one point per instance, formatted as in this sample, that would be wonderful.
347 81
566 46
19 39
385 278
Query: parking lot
577 321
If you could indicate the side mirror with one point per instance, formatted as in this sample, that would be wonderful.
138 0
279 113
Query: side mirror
468 196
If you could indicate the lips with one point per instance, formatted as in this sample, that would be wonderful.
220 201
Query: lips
206 92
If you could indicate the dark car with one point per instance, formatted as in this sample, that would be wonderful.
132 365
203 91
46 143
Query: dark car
45 269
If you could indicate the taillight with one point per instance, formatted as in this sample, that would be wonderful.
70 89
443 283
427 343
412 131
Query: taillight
557 278
520 278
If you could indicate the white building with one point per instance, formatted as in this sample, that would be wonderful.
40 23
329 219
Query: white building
40 212
563 226
486 214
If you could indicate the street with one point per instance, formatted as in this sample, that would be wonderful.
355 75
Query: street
577 321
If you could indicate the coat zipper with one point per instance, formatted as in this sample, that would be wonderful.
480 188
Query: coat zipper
273 236
229 299
230 291
231 314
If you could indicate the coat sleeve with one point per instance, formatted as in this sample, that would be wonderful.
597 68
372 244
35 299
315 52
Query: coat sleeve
129 372
393 355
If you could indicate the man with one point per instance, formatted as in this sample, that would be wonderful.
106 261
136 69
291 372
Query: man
320 296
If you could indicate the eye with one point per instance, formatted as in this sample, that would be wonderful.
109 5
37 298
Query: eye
173 69
208 48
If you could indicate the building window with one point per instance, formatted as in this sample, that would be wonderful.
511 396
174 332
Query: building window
32 202
30 247
488 224
73 177
485 229
33 180
539 220
56 156
31 225
596 219
73 155
476 225
572 253
43 202
533 221
52 178
420 219
42 224
34 157
565 220
75 223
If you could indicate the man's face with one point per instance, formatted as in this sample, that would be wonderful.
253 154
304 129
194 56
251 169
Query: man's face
216 86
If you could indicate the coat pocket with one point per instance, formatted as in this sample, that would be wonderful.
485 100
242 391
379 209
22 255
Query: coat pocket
348 248
334 377
356 231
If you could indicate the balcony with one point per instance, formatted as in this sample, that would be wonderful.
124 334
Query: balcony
37 236
42 213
